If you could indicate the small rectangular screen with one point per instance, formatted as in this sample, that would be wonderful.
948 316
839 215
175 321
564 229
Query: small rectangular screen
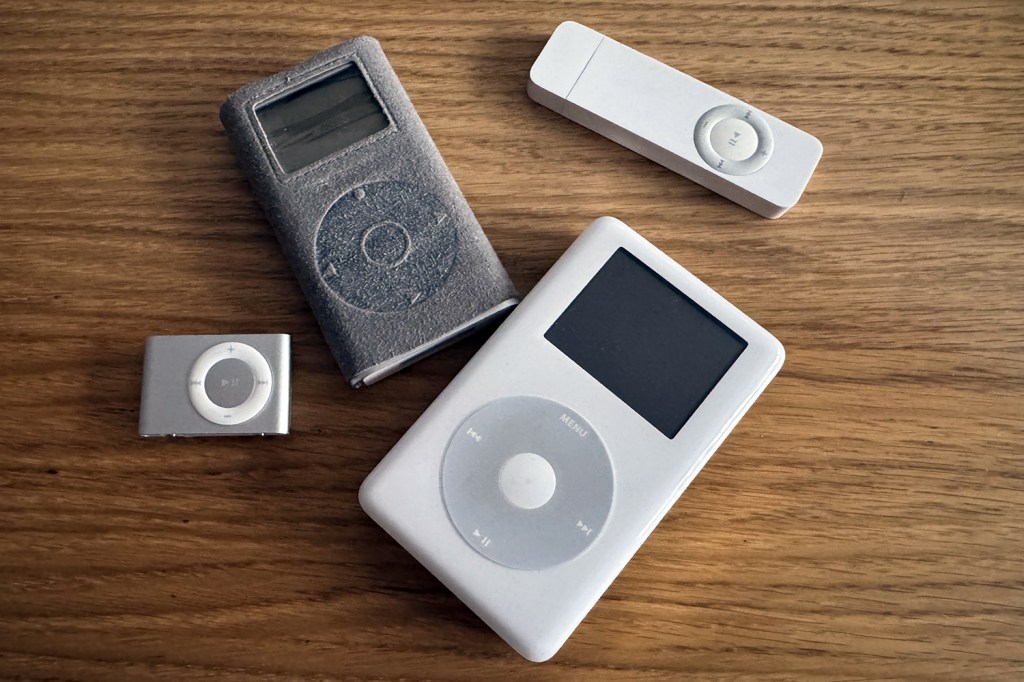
321 118
646 342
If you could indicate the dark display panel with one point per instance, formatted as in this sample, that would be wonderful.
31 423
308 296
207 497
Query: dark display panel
646 342
321 118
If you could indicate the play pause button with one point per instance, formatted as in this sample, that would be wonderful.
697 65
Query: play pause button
229 382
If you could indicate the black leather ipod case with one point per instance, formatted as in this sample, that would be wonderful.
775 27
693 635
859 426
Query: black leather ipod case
390 256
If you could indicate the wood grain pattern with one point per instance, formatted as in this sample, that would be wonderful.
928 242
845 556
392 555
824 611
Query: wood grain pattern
863 522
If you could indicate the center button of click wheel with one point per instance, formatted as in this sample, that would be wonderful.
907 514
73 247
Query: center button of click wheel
527 480
734 139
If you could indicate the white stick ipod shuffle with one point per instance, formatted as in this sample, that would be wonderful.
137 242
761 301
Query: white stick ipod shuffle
539 471
687 126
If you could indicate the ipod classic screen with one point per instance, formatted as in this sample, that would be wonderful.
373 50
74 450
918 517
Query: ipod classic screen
321 118
646 342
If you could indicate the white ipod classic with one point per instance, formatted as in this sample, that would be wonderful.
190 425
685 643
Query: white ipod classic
689 127
538 472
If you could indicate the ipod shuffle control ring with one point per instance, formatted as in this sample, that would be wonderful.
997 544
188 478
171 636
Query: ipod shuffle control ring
527 482
230 383
733 139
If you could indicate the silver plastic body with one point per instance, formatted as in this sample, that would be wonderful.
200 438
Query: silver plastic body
166 408
654 109
535 611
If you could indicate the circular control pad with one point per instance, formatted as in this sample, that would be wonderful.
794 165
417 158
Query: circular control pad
230 383
733 139
386 246
527 482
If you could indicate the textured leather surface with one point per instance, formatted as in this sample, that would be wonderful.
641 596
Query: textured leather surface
448 275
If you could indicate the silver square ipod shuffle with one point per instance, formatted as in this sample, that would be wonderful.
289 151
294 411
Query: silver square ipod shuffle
387 251
227 385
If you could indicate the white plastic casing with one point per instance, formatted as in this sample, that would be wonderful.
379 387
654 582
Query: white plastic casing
654 110
535 611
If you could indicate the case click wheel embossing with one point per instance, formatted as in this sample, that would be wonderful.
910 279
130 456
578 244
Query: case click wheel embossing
386 246
387 251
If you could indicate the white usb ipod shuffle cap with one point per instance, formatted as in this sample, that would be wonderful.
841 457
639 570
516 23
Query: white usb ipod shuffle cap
704 134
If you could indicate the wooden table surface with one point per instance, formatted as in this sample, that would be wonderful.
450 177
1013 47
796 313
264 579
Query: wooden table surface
864 521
